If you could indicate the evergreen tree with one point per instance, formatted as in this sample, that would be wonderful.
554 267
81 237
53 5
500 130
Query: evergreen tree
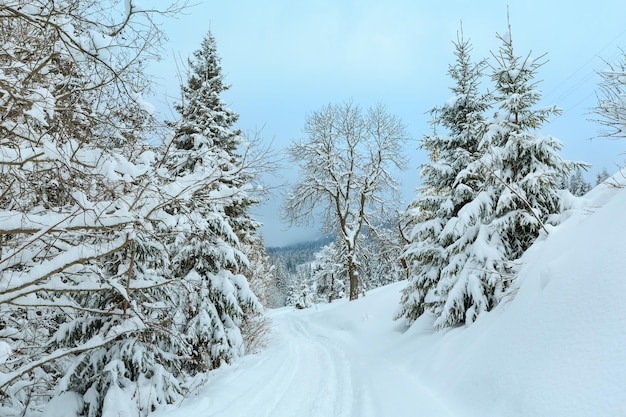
142 358
577 184
329 272
602 176
522 166
445 215
301 292
523 174
212 220
279 287
489 189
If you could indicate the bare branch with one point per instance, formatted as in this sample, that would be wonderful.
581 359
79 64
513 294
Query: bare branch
345 168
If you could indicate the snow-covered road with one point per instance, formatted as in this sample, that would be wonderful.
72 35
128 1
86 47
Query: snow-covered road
301 374
331 361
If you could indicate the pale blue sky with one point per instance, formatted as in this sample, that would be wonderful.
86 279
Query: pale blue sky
285 59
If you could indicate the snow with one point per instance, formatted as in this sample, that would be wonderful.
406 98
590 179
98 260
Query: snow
144 104
43 103
317 365
558 348
68 404
5 351
118 404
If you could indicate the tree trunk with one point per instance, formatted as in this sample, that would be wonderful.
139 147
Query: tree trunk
353 275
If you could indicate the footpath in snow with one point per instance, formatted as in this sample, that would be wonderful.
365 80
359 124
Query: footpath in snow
557 349
329 360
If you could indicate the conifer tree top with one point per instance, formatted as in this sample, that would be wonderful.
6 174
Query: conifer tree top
516 91
203 110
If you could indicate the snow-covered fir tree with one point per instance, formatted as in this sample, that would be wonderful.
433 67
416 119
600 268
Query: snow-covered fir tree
279 287
522 191
602 176
522 166
578 186
212 220
287 262
301 291
475 218
445 214
141 361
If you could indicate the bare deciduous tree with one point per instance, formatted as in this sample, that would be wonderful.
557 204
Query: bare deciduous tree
611 108
346 165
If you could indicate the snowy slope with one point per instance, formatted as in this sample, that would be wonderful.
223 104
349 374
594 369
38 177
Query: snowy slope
558 349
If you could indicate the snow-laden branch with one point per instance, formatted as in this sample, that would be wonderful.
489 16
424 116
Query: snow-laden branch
345 169
16 284
128 326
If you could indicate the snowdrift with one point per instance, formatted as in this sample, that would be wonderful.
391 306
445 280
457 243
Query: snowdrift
559 347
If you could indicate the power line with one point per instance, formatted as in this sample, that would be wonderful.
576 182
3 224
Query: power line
587 76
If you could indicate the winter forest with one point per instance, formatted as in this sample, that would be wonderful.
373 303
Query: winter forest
131 267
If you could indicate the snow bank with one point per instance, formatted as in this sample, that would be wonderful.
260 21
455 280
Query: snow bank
559 347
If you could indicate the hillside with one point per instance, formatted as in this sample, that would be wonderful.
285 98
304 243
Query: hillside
558 348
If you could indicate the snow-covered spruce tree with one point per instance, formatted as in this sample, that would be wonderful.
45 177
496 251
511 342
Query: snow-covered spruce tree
140 368
577 184
73 181
447 219
611 107
279 287
521 166
301 292
212 220
602 176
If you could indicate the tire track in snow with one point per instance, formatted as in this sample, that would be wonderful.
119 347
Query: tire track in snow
301 374
321 384
334 396
253 391
381 383
306 373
